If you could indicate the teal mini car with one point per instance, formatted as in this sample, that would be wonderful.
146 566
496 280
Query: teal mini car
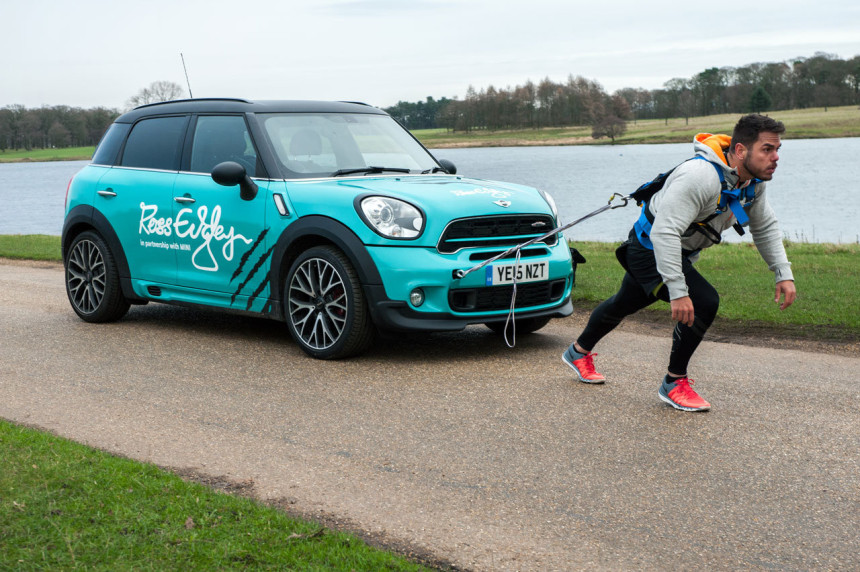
329 216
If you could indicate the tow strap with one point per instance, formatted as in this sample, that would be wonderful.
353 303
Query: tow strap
458 274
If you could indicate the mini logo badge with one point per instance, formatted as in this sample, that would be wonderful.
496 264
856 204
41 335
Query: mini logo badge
503 204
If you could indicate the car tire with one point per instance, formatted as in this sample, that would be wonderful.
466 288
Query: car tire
523 325
92 280
325 307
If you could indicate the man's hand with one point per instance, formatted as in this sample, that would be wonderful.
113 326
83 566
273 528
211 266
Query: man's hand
786 288
682 310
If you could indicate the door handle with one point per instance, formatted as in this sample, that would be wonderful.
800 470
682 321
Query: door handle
107 193
185 199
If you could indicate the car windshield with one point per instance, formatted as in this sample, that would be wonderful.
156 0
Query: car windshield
329 144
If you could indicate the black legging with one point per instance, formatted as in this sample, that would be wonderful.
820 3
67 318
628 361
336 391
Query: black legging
631 298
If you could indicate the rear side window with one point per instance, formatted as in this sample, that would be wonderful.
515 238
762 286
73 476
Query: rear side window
155 143
109 146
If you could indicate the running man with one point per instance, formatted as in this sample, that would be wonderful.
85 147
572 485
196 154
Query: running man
698 202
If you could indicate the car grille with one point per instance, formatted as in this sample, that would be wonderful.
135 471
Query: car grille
495 231
499 297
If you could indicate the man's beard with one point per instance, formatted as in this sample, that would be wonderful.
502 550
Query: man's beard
761 175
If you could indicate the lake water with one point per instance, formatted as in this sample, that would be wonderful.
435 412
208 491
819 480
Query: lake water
815 190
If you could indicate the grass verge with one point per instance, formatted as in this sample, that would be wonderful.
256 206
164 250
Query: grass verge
826 276
30 247
65 154
66 506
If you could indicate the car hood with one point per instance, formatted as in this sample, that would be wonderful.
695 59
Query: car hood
444 196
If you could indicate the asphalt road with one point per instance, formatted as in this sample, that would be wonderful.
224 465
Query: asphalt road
486 457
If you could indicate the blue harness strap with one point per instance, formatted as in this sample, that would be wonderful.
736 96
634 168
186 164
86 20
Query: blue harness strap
734 197
729 199
642 226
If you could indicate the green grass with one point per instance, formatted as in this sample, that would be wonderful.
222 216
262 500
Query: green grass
65 506
30 247
65 154
812 123
826 276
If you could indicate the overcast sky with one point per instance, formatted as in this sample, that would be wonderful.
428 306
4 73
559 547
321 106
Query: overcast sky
91 53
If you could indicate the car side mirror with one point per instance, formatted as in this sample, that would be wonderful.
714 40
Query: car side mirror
230 173
449 167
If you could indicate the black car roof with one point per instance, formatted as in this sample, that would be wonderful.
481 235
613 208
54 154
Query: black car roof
226 105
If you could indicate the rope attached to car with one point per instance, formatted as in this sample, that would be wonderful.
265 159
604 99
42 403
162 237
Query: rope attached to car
458 274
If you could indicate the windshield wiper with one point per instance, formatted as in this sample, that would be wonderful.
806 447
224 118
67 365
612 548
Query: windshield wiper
369 170
434 170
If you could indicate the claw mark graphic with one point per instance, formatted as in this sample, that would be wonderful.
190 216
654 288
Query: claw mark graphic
265 256
247 255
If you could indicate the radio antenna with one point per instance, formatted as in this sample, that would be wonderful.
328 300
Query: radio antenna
186 75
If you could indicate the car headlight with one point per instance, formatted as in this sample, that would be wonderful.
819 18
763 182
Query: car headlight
551 202
392 218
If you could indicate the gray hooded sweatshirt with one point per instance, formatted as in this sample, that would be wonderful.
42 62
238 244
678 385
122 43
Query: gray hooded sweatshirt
691 194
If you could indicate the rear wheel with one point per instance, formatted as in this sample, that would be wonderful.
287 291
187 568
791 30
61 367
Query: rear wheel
92 280
523 325
325 306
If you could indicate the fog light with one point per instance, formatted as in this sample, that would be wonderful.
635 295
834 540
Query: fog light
417 297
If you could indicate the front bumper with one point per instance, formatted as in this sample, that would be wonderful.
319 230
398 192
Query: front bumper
452 304
392 315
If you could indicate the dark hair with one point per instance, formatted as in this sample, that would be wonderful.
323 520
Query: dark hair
747 130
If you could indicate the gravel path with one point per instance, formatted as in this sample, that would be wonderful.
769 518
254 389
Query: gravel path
456 447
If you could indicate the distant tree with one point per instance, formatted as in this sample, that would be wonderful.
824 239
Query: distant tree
29 130
418 115
156 92
853 67
620 107
708 88
640 102
6 133
826 95
58 135
447 116
610 126
760 100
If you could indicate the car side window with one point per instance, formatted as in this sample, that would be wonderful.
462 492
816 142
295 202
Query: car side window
219 138
155 143
109 146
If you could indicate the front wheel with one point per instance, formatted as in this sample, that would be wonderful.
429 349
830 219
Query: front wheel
325 306
92 280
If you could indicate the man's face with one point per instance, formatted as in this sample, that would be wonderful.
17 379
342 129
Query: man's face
760 160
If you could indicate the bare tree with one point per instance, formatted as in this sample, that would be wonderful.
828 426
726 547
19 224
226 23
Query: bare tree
156 91
610 126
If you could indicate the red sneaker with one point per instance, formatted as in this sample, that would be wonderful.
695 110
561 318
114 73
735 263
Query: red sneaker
678 393
583 365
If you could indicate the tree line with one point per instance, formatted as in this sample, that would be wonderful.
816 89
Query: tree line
49 127
822 80
63 126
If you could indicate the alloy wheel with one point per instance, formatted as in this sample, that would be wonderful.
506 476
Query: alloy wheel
86 277
318 303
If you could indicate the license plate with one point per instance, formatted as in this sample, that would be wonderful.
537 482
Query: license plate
523 272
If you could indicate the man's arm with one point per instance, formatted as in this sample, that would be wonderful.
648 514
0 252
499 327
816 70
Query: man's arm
687 193
768 241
